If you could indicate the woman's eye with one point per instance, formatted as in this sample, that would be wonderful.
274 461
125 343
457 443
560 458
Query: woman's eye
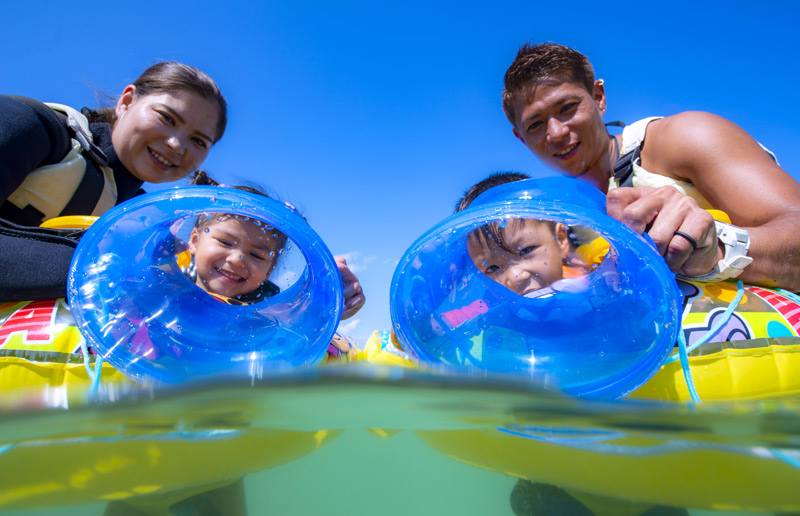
168 119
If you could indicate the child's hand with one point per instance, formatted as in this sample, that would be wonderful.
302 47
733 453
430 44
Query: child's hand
353 295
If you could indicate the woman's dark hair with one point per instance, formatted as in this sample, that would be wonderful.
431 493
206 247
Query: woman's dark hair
169 77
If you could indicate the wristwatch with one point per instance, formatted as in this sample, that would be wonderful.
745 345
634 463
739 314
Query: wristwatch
737 242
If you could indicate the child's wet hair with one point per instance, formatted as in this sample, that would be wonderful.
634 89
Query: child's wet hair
495 232
494 179
201 178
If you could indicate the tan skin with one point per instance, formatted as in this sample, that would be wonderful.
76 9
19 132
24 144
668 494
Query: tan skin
354 297
562 124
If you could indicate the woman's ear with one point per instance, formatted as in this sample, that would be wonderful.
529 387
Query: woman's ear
125 100
562 238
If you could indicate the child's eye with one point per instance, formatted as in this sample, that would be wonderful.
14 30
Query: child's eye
526 250
225 242
258 256
490 269
200 142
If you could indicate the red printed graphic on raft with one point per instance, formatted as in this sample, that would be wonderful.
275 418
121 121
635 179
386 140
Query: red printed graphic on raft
34 321
786 307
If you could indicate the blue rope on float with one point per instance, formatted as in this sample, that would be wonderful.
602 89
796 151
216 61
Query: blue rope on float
687 372
94 374
792 461
683 350
726 316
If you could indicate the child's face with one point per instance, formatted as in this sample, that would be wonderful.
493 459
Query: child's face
232 256
530 258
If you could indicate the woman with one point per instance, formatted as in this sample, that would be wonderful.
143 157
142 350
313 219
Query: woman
55 161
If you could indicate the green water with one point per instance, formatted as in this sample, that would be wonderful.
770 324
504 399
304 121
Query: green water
357 472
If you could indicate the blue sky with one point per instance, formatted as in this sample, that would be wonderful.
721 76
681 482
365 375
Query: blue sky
373 118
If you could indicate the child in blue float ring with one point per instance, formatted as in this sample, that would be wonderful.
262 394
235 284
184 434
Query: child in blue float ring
234 256
530 257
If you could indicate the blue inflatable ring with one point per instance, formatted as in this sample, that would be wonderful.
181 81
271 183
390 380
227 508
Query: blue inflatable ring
602 340
137 309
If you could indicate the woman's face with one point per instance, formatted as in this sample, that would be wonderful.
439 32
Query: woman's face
163 137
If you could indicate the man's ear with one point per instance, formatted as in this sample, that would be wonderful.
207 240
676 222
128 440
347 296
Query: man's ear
519 136
599 95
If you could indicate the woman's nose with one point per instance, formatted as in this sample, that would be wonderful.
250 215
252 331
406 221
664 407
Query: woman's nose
175 144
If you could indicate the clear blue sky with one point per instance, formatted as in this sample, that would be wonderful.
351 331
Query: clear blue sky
373 118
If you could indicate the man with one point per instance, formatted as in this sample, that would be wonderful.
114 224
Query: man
691 162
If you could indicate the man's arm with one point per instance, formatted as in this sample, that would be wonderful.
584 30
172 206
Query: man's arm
732 171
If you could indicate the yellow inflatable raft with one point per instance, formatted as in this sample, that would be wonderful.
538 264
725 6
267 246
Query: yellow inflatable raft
752 352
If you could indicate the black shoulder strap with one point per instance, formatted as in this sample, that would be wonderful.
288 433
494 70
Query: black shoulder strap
623 170
90 189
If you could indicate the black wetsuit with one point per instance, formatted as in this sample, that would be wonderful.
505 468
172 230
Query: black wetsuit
34 262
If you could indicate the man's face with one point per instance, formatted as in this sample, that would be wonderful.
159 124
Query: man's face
562 124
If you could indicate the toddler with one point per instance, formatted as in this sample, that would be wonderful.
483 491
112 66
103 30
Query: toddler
232 255
528 256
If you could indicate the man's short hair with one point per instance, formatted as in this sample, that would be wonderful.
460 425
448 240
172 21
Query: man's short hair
544 61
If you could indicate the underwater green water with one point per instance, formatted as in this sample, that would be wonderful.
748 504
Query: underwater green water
377 442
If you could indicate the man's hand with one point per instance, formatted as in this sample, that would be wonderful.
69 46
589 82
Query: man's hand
684 233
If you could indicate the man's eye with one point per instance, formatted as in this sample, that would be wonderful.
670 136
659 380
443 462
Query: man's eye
534 126
568 107
490 269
